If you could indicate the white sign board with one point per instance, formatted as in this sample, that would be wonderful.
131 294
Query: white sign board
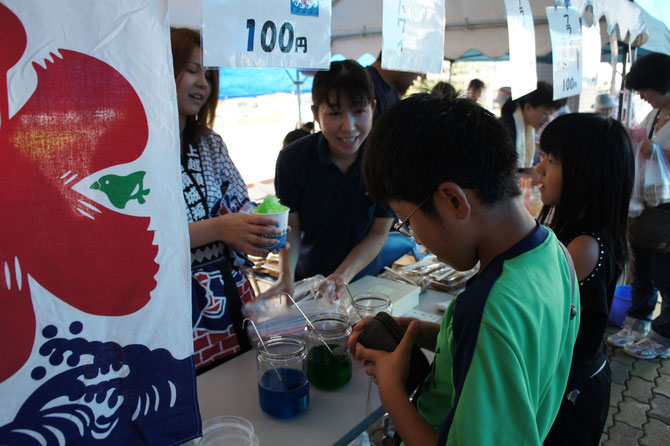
566 47
591 48
521 31
266 33
413 35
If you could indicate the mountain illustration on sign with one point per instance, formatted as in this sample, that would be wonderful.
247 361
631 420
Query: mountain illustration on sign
121 189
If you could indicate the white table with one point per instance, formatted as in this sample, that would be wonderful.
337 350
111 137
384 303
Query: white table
335 417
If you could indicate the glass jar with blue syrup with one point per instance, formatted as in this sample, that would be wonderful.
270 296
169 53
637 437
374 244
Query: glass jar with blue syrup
283 387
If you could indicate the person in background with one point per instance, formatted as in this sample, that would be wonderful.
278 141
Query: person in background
302 131
504 346
523 116
641 337
504 93
604 105
444 90
475 89
389 85
586 177
220 227
337 228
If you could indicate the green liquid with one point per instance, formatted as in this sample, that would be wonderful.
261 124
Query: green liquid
327 371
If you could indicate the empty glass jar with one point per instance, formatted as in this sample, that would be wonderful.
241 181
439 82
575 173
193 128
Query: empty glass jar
368 304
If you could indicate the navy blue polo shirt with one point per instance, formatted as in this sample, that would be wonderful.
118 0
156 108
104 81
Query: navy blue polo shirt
335 209
385 94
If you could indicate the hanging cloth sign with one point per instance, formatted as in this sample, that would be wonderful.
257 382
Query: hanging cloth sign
95 313
521 31
266 33
591 53
566 48
413 35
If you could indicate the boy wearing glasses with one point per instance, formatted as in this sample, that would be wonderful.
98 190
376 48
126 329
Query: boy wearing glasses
504 347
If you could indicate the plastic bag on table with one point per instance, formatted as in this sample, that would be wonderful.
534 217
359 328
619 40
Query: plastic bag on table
277 316
262 309
288 320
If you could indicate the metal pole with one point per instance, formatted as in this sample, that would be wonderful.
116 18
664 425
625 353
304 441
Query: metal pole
298 82
624 58
629 102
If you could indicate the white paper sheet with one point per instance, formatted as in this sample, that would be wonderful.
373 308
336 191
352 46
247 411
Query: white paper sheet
413 35
266 33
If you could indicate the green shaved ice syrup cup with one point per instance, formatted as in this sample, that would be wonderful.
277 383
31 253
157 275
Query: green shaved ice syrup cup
272 208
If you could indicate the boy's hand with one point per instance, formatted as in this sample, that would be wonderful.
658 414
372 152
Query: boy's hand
389 370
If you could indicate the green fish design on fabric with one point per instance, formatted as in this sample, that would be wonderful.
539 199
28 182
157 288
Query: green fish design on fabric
120 190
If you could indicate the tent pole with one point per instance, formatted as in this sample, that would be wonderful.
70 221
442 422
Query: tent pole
624 58
297 83
629 102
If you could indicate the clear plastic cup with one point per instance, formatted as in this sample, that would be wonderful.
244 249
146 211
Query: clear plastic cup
229 431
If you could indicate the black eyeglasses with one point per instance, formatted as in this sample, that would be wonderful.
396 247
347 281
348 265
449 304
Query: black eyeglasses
403 227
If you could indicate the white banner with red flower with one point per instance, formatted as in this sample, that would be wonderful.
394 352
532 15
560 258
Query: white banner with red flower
95 323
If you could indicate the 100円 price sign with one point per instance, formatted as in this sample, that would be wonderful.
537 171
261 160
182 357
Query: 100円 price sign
266 33
566 46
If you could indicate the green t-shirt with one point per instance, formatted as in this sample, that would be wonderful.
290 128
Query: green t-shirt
511 389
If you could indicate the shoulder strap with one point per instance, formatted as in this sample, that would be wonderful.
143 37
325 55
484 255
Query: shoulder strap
571 266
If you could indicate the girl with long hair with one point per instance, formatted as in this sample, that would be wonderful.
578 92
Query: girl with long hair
586 177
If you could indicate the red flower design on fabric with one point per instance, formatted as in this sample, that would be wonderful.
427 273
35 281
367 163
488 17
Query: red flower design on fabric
84 116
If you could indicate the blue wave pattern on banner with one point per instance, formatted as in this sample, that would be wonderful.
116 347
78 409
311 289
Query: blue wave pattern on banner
305 7
117 398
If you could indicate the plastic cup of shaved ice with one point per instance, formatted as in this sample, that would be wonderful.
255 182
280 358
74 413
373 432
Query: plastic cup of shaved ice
273 208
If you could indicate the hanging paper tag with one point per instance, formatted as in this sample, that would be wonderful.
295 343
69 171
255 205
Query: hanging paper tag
521 46
591 48
413 35
266 33
566 46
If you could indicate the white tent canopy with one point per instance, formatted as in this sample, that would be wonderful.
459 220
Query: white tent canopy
470 25
481 25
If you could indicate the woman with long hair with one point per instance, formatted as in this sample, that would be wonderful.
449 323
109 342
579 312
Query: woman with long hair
221 228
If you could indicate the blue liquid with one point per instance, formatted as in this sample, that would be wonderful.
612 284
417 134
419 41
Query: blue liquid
287 399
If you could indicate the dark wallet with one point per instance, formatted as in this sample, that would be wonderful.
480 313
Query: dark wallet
383 333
